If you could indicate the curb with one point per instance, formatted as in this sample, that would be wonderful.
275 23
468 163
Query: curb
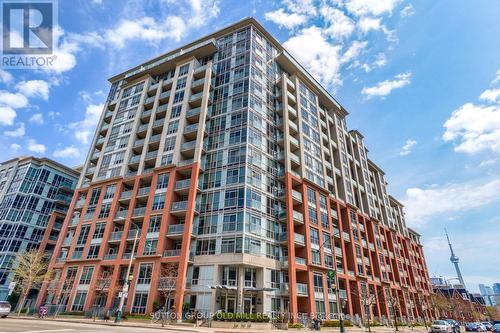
129 324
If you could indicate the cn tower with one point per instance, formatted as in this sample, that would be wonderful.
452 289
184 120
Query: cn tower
454 260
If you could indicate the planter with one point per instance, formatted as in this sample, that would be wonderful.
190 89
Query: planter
241 324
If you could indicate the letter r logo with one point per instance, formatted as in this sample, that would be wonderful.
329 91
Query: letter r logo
27 26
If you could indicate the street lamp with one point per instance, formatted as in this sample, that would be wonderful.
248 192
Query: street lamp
128 277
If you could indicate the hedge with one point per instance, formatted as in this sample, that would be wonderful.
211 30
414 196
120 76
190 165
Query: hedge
297 325
335 323
239 317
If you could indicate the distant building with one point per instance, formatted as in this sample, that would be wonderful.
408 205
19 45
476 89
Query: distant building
496 288
34 197
466 305
488 295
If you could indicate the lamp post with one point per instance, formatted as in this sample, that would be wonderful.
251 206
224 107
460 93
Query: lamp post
127 281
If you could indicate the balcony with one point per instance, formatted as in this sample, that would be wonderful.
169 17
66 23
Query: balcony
292 112
297 197
154 139
193 114
139 212
338 252
298 218
115 236
294 143
294 129
110 256
291 98
191 131
171 253
133 233
77 255
300 261
142 128
182 186
345 236
158 123
299 239
67 241
294 159
151 155
161 109
135 159
104 128
139 143
126 195
99 141
74 221
179 208
188 148
302 289
198 84
164 95
149 101
143 191
196 99
121 215
175 231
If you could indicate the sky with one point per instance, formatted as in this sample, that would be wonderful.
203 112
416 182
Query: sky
421 81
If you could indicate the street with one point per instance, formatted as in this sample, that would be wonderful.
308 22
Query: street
48 326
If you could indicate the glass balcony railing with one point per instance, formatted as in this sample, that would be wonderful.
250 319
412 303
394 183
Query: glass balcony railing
176 229
301 288
179 206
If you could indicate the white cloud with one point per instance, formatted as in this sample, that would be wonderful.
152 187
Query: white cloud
5 77
353 51
319 56
490 95
406 149
301 6
369 23
340 24
70 151
13 100
475 127
424 204
379 61
15 146
370 7
384 88
407 11
34 88
37 118
486 163
84 129
36 147
285 20
497 78
18 132
7 115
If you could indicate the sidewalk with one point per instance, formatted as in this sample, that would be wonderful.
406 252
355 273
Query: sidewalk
187 328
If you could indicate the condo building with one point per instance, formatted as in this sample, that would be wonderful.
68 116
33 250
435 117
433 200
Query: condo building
35 194
226 160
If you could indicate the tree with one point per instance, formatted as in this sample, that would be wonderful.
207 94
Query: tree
493 312
167 284
423 304
393 302
29 274
103 284
367 299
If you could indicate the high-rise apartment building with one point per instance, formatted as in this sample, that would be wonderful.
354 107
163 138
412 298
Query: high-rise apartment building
35 194
230 162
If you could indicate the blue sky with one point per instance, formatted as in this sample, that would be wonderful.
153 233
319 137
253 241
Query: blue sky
420 79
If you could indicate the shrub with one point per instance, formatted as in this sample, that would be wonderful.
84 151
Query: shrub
241 317
335 323
296 325
72 313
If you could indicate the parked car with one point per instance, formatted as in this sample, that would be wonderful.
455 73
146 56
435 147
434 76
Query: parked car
454 325
4 309
482 327
487 325
440 326
472 327
496 328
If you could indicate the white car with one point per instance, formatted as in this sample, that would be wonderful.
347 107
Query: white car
4 309
440 326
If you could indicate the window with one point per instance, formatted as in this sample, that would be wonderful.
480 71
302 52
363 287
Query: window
162 181
178 97
79 301
99 230
150 247
314 236
176 111
229 276
94 198
86 276
313 215
93 252
318 282
183 70
236 175
231 245
82 237
232 222
140 302
205 246
158 201
231 198
327 242
145 272
172 127
105 208
316 259
110 192
170 143
181 83
154 223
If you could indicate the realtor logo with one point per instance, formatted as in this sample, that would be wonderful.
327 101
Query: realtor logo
28 33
